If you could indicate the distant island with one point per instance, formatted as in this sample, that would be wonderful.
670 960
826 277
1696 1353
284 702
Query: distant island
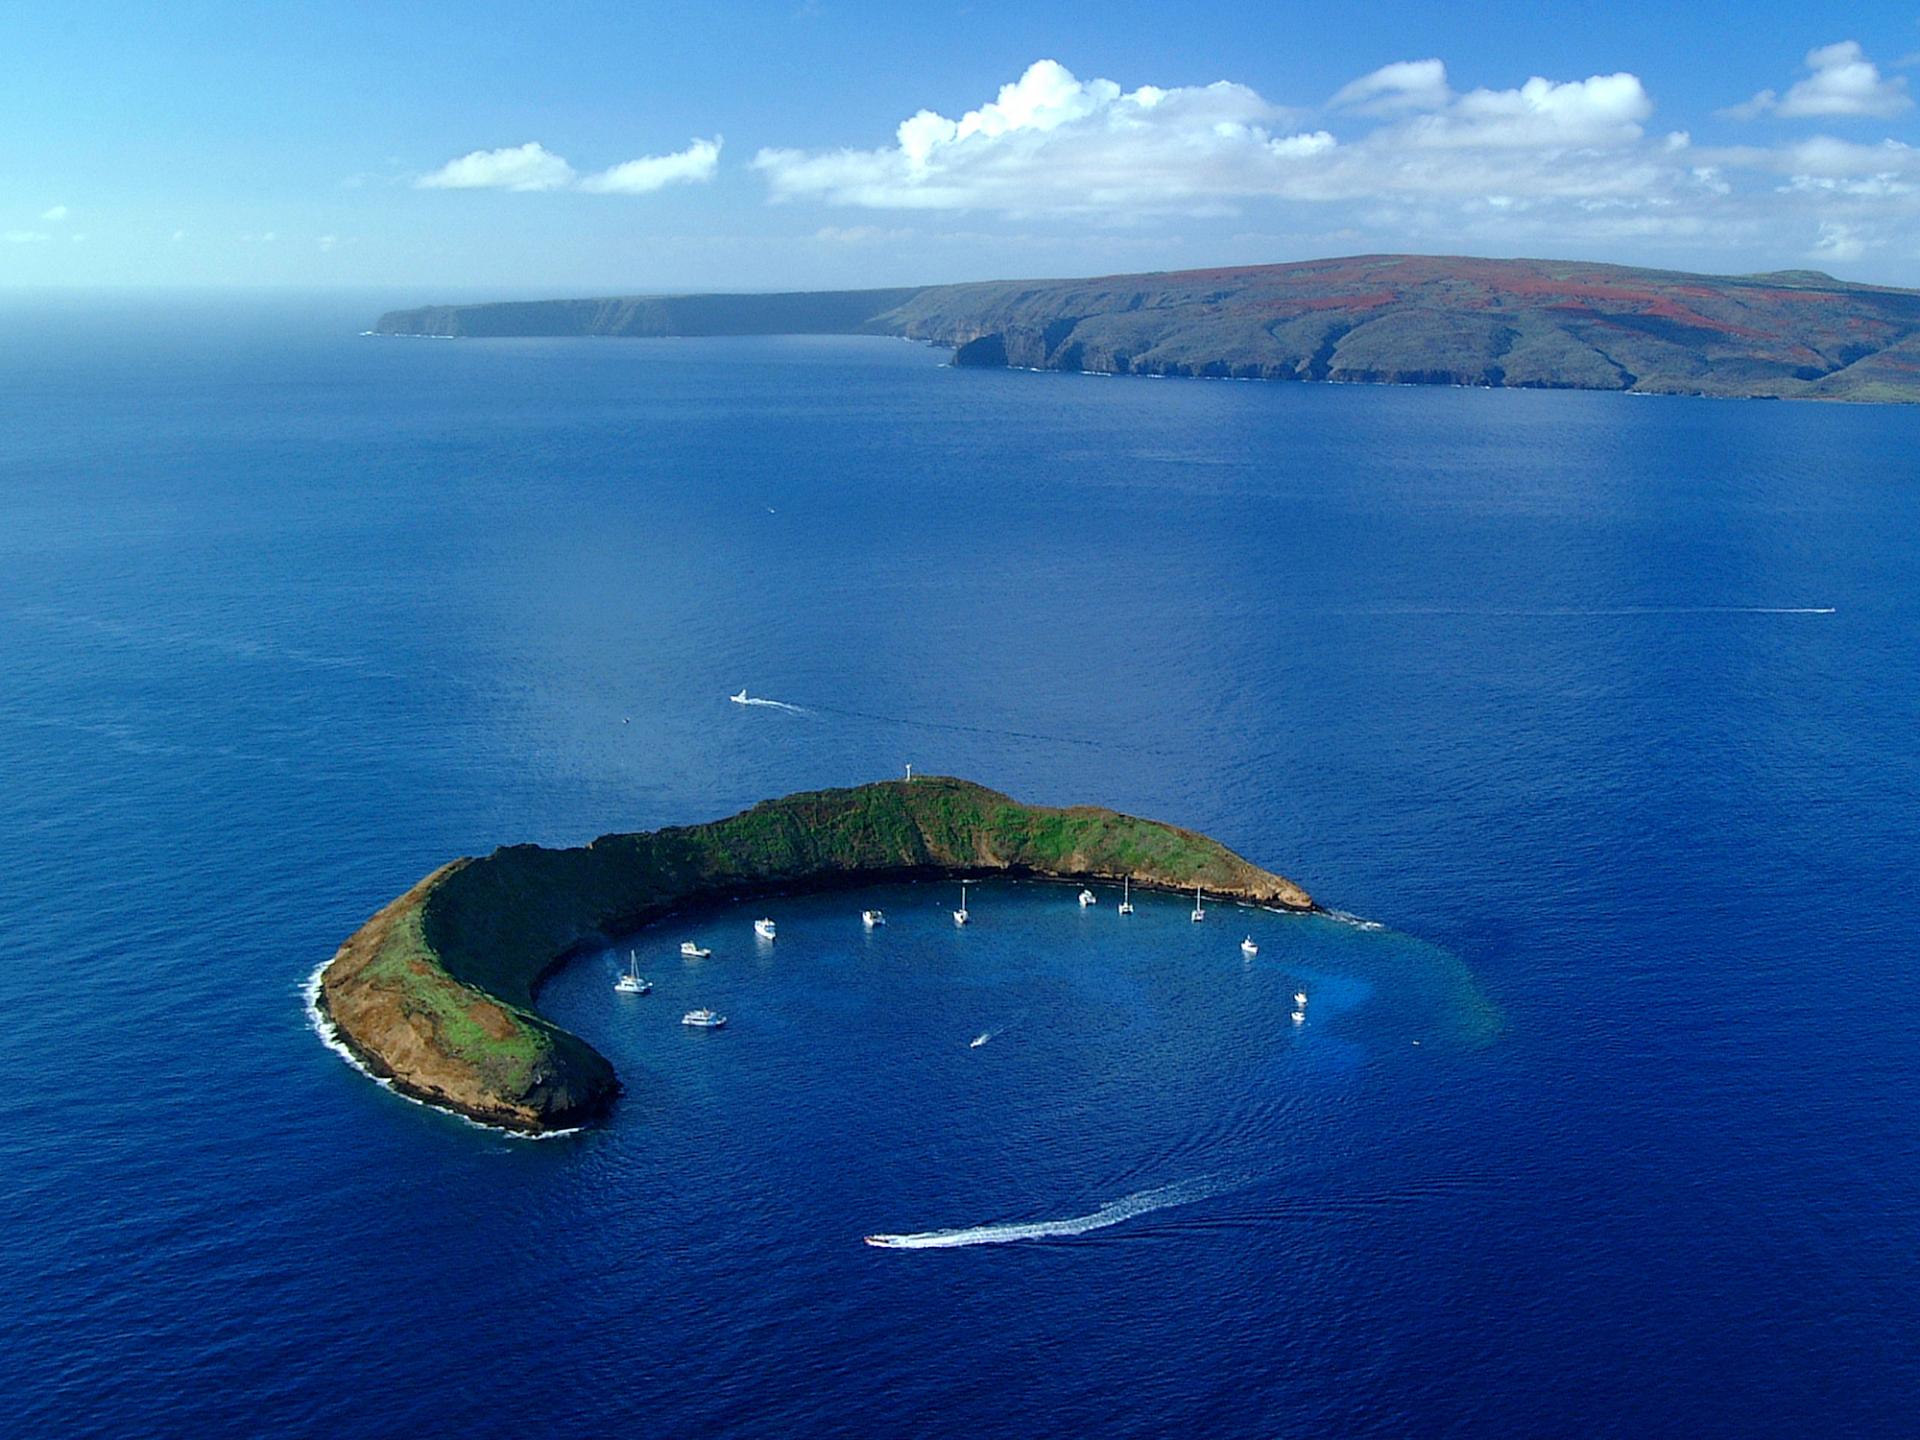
1385 319
435 993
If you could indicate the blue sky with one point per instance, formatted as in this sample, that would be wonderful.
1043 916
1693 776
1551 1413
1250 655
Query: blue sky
520 149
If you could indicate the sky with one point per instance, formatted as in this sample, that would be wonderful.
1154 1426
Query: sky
515 149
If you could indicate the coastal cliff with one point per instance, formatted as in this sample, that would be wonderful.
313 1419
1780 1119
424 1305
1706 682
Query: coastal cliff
1368 319
435 992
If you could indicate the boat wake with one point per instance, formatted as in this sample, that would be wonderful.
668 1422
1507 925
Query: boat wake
1357 921
745 699
1144 1202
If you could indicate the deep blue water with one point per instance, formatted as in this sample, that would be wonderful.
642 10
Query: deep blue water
288 616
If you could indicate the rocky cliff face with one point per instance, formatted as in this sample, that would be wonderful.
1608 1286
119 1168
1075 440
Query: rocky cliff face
1401 319
436 991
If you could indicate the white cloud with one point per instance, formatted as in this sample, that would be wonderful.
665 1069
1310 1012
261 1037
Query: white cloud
178 236
1843 81
327 242
1403 85
692 165
53 215
519 167
1053 143
1838 242
860 235
24 237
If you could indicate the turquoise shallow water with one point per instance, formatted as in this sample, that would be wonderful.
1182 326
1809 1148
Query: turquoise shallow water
289 616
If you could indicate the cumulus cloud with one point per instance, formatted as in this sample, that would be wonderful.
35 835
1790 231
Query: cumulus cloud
1051 142
692 165
517 167
1841 81
533 167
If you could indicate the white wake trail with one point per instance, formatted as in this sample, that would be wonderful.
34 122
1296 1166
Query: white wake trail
1184 1192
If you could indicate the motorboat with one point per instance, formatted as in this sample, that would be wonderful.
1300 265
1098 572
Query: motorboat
871 918
763 928
633 983
1199 909
1247 947
741 698
960 916
1126 894
703 1019
694 952
1087 898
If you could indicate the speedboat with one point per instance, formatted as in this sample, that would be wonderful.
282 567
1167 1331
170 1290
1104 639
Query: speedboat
960 916
763 928
703 1019
871 918
693 951
1126 893
632 983
1086 899
1199 910
1247 947
741 698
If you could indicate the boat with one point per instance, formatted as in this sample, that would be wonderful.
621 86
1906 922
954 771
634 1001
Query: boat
1247 947
1299 999
632 983
1086 899
703 1019
871 918
1199 910
1126 902
960 916
741 698
980 1039
763 928
1301 1015
693 951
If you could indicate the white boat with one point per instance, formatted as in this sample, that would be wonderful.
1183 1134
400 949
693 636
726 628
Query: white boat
1247 947
980 1039
1126 892
763 928
1301 1015
693 951
741 698
1199 910
1299 999
960 916
703 1019
632 983
871 918
1086 899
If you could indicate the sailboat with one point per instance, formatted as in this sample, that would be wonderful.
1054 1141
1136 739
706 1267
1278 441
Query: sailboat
960 916
1126 904
1199 910
632 983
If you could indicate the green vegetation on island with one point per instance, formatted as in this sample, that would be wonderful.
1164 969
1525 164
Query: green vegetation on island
436 991
1388 319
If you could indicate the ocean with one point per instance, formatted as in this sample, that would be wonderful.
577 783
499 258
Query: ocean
1594 715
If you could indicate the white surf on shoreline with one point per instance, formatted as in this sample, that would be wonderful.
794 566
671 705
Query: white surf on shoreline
329 1034
1143 1202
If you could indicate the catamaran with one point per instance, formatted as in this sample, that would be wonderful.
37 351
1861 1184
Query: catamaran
703 1019
763 928
1086 899
632 983
960 916
694 951
1126 901
871 918
1199 910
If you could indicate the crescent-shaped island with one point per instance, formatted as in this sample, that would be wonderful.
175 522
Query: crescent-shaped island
435 993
